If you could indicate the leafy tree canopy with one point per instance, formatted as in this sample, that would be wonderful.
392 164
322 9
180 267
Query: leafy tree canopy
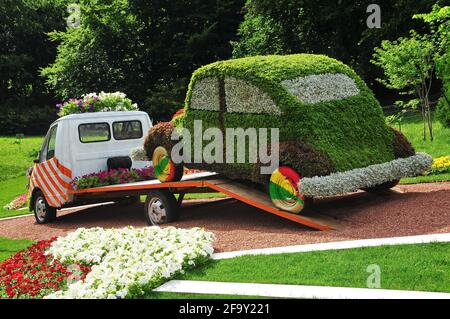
147 49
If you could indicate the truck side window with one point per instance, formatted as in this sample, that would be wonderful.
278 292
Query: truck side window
94 132
127 130
51 143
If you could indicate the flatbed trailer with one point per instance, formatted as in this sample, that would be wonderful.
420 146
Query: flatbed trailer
199 183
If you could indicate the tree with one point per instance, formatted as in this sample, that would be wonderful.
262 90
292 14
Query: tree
147 49
439 21
24 50
409 65
334 28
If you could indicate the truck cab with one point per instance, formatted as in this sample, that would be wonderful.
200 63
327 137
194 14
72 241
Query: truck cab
77 145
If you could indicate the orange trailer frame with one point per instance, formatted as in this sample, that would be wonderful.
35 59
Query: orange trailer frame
202 182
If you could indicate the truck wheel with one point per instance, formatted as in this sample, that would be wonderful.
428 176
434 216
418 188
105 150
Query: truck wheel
164 168
43 212
160 207
382 187
283 190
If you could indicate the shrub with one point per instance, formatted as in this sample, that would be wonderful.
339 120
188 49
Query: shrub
443 110
402 147
22 117
306 160
441 165
159 135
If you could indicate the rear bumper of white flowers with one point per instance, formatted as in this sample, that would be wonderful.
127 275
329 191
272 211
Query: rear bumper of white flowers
370 176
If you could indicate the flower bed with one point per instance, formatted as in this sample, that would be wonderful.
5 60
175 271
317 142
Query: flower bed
18 202
128 262
93 102
113 177
32 273
441 165
110 263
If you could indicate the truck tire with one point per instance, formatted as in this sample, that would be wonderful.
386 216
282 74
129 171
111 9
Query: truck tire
161 207
43 212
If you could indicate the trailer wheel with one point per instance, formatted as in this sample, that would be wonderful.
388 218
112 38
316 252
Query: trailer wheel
43 212
164 168
161 207
283 190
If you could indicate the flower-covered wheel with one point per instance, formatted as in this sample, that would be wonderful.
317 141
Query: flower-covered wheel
283 190
165 170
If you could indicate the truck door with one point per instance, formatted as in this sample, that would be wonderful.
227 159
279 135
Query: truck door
47 174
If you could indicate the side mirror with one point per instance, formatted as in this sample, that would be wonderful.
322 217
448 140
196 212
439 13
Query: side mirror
37 159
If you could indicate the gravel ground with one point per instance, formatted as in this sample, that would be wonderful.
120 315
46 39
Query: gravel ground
409 210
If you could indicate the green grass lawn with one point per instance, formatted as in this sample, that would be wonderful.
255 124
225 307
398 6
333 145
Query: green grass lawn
422 267
15 158
9 247
412 127
9 190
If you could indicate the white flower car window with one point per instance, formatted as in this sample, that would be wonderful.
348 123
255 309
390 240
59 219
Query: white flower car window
205 95
322 87
243 97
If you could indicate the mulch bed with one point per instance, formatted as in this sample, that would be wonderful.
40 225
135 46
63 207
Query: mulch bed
411 210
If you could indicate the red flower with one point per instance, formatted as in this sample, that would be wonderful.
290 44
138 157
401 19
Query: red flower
32 274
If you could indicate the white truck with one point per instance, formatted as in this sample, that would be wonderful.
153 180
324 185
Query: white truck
78 145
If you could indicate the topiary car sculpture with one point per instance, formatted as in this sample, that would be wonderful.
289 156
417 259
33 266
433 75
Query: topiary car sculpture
332 134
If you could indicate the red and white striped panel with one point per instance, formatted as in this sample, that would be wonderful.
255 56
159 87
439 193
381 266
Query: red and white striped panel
53 179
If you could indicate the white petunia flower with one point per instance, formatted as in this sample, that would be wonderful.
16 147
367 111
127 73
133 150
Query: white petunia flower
128 257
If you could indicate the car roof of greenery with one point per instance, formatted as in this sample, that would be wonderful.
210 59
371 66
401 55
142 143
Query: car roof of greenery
267 72
275 67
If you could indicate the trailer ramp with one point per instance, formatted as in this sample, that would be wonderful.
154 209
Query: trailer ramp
202 182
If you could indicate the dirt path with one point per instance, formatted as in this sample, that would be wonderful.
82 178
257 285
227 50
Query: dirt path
413 210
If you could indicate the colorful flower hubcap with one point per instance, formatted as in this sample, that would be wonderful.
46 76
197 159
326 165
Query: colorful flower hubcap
163 167
284 192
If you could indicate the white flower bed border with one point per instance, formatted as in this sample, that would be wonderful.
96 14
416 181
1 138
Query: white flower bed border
128 262
353 180
322 87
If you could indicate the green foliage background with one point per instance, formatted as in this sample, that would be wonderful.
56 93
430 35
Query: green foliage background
149 49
